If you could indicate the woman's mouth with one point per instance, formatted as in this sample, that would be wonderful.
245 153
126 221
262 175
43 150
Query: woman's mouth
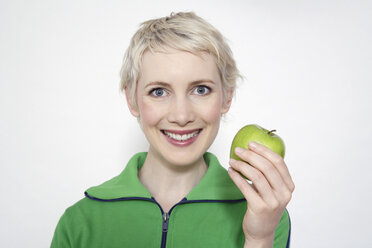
182 137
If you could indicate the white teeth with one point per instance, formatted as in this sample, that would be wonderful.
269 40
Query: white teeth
181 137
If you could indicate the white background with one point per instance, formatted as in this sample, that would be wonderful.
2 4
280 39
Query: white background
64 125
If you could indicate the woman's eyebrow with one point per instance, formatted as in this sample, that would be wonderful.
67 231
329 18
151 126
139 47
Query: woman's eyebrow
202 81
191 83
157 83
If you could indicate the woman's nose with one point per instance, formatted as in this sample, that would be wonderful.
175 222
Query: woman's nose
181 111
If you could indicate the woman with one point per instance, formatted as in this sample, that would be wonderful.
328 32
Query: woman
179 77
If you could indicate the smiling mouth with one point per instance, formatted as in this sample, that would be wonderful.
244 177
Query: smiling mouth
183 137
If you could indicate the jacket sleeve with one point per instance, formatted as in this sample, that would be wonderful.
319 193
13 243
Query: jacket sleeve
62 238
283 232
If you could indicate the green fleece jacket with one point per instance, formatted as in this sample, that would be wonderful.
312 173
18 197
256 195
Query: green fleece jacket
122 213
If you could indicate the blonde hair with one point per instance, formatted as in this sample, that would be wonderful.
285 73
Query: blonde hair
184 31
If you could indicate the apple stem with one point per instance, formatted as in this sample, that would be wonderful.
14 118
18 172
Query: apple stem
271 132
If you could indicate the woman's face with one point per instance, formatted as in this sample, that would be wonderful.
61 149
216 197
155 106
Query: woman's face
179 92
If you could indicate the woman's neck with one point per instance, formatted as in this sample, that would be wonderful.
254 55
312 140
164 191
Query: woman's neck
168 183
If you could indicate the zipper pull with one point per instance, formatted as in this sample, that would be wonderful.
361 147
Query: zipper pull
165 222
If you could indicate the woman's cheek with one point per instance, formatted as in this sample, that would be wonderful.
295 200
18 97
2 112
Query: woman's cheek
212 113
150 113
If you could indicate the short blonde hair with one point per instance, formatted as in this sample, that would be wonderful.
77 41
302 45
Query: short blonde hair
184 31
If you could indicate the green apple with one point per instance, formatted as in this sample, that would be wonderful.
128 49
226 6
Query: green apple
259 135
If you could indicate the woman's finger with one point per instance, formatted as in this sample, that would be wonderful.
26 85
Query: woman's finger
276 160
254 201
259 181
266 167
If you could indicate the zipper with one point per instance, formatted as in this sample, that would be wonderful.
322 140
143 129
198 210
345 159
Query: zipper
165 215
165 229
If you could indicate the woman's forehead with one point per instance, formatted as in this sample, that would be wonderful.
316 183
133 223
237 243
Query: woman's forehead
175 63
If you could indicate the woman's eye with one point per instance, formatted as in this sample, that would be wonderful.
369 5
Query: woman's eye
202 90
158 92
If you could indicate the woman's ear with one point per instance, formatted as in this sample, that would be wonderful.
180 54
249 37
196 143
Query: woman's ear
227 103
132 106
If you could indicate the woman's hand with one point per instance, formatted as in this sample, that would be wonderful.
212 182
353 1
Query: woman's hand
267 196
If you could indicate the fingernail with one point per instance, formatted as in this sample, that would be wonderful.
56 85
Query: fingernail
252 144
232 161
239 150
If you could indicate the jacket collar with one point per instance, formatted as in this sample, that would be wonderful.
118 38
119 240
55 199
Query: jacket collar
215 185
